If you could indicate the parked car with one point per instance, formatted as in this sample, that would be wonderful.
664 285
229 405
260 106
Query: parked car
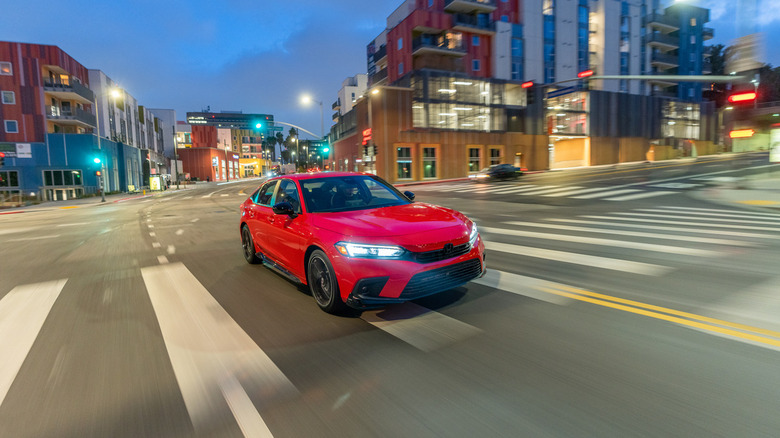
497 171
356 241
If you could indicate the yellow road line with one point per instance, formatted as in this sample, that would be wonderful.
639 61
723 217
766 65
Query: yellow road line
759 202
686 322
73 206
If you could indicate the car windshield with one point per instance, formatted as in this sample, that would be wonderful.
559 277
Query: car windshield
351 192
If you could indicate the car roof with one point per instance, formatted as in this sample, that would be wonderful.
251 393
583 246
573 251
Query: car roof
315 175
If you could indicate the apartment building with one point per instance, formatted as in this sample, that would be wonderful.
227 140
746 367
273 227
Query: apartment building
351 90
494 81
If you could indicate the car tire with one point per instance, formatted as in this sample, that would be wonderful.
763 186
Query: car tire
323 284
248 246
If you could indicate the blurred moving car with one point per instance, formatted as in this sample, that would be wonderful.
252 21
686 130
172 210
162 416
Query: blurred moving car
497 171
356 241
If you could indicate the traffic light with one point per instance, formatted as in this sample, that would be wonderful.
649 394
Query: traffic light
373 149
96 160
530 94
2 159
741 133
585 74
98 173
744 97
365 151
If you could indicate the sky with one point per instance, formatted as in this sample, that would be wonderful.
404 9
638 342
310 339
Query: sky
255 56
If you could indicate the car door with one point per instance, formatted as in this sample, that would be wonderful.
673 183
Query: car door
287 234
260 216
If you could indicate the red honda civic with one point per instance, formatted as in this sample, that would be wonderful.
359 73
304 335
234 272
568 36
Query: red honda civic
356 241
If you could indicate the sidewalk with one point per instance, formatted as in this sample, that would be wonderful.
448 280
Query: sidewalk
89 202
759 192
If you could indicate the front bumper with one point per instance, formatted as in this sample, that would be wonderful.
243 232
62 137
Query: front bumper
366 283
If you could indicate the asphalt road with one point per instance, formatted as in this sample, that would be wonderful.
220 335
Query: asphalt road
651 315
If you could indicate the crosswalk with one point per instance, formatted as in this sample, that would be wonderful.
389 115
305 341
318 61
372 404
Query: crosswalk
214 359
610 193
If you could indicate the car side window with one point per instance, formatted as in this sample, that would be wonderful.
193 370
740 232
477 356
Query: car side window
253 196
266 193
288 192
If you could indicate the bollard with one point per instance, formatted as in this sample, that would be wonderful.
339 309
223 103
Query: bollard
144 191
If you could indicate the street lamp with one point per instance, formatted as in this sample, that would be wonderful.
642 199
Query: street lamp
306 100
114 93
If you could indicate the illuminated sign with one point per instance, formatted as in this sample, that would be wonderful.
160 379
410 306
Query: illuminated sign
528 84
366 135
585 74
742 133
743 97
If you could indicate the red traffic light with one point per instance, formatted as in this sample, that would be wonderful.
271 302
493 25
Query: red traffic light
2 154
98 173
528 84
585 74
743 97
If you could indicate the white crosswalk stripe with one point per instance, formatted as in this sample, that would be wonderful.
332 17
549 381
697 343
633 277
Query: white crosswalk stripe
720 210
745 215
604 194
662 228
626 192
642 195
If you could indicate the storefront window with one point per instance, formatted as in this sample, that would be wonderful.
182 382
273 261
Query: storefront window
495 156
429 162
474 159
681 120
9 178
62 177
404 162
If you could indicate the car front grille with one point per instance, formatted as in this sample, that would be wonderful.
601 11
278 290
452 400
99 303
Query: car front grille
441 254
441 279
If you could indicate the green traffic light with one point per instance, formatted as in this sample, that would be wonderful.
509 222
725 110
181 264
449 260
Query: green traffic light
326 149
96 160
259 125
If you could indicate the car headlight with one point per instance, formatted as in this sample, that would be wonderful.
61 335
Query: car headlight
473 235
370 251
482 175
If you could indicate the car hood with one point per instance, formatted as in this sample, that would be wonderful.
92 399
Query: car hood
415 226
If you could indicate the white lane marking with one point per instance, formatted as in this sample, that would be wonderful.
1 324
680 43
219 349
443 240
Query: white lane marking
187 197
207 349
156 244
577 192
152 234
668 249
75 224
713 241
179 232
676 185
16 230
522 190
753 213
421 327
171 249
581 259
207 196
162 259
641 195
686 224
225 194
150 225
703 213
148 200
25 239
604 194
195 220
249 420
514 189
663 228
22 314
521 285
547 190
695 218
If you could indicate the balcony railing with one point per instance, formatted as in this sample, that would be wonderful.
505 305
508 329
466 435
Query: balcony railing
77 115
377 77
474 23
335 116
660 39
381 53
74 88
668 61
661 21
336 104
438 44
483 6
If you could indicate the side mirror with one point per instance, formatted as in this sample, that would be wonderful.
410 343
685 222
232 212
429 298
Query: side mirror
284 208
409 195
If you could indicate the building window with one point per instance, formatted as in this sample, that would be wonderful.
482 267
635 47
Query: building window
9 178
400 68
693 39
62 177
693 22
474 159
475 65
475 40
505 18
9 98
495 156
430 3
400 43
6 69
404 163
429 162
11 126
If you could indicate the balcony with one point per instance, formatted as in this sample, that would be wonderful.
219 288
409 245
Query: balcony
663 61
432 44
707 33
469 6
75 92
336 105
72 116
706 68
662 42
473 24
662 83
335 117
380 54
378 77
661 22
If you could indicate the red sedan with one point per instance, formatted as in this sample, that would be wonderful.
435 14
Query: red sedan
356 241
